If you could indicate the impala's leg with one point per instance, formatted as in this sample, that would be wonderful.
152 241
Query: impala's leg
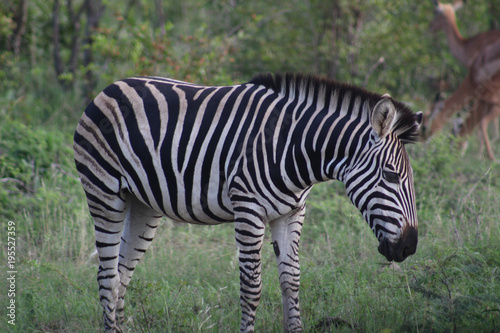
286 235
452 104
484 128
474 118
138 233
496 130
249 233
492 114
480 136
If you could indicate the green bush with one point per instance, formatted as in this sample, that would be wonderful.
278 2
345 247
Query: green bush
34 165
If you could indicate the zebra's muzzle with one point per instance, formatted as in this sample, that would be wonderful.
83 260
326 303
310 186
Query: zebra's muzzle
404 247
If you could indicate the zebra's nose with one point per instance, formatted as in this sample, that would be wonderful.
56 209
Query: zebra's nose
409 242
404 247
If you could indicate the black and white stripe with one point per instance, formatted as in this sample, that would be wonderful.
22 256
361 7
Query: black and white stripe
248 154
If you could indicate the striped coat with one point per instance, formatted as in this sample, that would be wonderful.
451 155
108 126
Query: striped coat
248 154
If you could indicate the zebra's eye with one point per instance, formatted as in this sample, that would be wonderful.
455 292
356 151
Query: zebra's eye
391 177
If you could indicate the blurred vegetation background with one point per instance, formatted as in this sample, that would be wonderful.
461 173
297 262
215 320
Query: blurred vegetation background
56 55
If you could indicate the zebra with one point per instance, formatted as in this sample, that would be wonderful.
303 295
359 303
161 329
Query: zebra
149 147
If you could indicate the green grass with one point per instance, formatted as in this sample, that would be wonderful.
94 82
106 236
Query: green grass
188 280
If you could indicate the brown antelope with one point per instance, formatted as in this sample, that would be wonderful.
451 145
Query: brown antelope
485 74
464 49
482 87
481 83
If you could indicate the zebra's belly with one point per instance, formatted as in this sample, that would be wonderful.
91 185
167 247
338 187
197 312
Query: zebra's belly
198 203
199 213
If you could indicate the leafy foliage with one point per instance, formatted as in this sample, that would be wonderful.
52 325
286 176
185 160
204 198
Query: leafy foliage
32 161
457 291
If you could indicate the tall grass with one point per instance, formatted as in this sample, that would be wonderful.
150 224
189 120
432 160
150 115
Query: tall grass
188 280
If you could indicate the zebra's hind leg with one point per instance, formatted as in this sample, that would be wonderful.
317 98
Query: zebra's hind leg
285 233
109 213
138 233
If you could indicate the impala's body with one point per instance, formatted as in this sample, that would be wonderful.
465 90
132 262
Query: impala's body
481 55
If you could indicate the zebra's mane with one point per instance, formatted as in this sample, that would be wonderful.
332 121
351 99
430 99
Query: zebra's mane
405 127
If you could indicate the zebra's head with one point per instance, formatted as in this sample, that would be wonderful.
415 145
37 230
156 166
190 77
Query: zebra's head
380 181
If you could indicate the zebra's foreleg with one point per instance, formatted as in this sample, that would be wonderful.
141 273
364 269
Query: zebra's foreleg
249 236
285 233
138 233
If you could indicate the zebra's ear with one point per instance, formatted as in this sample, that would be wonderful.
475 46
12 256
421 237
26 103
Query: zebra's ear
383 116
418 117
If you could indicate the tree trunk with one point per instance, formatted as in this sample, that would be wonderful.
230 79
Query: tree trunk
58 65
20 18
94 11
161 18
336 34
75 42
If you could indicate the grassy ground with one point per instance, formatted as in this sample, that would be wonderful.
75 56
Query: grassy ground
188 281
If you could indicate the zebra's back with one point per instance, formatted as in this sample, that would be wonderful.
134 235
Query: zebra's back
184 141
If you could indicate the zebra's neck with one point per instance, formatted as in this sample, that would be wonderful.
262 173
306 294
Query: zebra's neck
330 128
